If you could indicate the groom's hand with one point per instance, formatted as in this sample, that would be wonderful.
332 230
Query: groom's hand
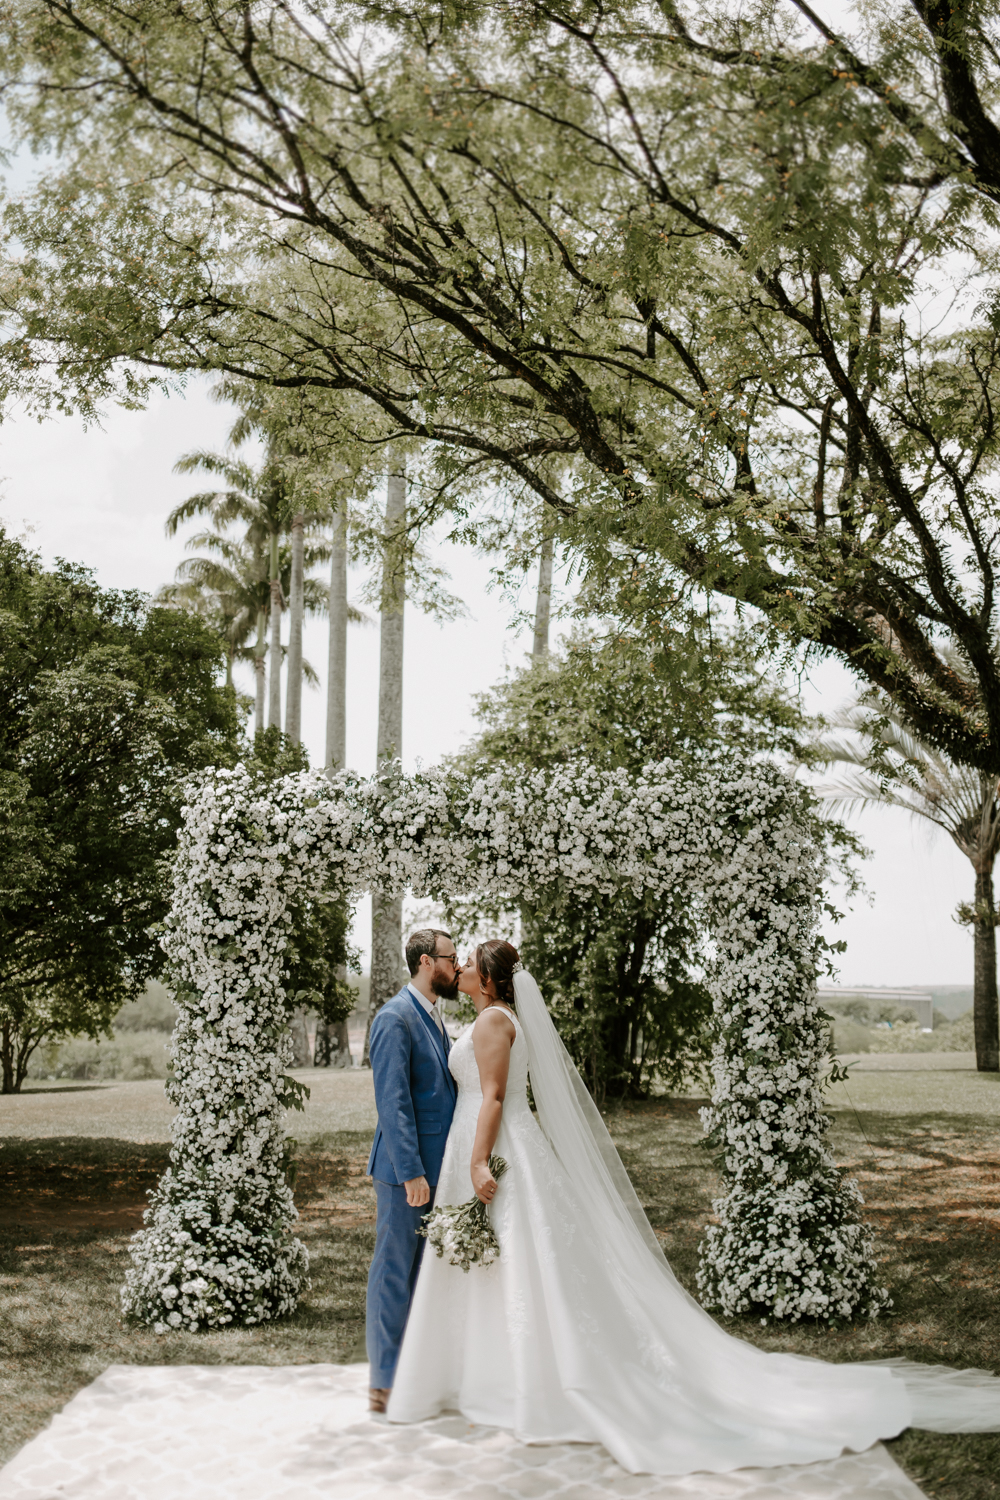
418 1192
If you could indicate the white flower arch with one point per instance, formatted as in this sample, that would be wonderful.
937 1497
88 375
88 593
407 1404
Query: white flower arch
218 1247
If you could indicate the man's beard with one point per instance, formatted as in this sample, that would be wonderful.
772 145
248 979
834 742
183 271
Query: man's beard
445 989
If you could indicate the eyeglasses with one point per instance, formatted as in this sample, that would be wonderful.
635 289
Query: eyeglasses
449 958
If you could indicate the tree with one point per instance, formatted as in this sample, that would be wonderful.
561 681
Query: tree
106 703
230 590
387 911
258 571
891 765
662 274
622 976
336 687
543 599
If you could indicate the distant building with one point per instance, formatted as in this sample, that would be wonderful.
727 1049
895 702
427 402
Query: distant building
919 1001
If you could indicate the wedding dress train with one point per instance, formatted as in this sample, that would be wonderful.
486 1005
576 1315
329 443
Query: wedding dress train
581 1332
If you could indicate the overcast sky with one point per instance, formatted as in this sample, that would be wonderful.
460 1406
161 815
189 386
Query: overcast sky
100 497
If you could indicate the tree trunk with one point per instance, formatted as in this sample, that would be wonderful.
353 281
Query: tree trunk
543 603
15 1054
259 652
7 1060
387 971
390 677
274 684
984 1003
333 1046
342 1057
387 912
301 1057
336 686
293 692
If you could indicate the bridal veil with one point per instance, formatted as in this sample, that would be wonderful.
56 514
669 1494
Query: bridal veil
934 1397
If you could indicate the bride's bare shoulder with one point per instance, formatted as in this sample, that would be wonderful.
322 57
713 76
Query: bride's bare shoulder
495 1020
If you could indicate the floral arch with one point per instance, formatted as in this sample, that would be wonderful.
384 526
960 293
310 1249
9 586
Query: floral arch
218 1248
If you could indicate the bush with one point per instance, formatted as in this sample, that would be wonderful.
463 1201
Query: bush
906 1036
851 1035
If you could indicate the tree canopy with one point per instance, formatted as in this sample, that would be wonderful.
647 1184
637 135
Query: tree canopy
718 288
105 705
623 975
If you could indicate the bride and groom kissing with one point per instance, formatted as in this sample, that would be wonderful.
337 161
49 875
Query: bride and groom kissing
579 1332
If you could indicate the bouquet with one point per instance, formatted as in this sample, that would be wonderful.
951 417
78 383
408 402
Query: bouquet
463 1234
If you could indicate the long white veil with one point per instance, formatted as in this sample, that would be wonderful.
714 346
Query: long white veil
572 1122
942 1399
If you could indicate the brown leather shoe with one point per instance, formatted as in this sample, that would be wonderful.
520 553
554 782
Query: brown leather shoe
378 1400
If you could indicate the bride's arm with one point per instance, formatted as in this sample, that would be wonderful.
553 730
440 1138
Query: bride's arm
492 1040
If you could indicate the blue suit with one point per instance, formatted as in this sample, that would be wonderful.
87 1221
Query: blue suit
415 1098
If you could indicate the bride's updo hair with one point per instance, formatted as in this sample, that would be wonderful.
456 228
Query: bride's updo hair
495 960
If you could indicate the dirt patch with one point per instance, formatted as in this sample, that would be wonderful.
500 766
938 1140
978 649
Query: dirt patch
43 1214
937 1176
76 1186
332 1189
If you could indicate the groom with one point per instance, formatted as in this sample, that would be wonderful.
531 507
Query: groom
415 1098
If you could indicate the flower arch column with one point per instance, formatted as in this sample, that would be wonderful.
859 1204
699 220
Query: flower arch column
788 1242
219 1248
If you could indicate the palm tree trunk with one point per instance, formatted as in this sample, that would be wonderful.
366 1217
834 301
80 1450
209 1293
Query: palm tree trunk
259 651
543 602
984 1001
336 687
387 911
274 684
293 696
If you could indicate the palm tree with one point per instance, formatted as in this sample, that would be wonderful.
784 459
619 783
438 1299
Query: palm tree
232 586
387 911
229 588
964 802
336 685
261 499
543 599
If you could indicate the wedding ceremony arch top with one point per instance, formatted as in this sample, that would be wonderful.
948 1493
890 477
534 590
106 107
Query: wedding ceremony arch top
741 845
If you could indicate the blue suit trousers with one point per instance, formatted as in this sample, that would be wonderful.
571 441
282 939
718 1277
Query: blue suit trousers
391 1278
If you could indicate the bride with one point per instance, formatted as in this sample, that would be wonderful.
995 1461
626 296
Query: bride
580 1331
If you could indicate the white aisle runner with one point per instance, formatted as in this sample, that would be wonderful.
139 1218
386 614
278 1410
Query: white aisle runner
302 1432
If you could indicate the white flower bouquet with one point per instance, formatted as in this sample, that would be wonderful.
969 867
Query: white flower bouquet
462 1232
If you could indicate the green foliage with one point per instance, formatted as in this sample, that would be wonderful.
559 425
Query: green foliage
106 704
663 270
319 950
622 976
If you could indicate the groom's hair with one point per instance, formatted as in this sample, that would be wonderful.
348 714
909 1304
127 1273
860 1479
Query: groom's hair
424 940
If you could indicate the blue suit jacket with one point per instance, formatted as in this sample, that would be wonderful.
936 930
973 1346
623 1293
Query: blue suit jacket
414 1092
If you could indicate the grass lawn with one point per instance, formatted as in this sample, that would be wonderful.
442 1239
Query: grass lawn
75 1165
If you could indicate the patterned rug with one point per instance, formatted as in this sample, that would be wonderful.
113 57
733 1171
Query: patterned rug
302 1432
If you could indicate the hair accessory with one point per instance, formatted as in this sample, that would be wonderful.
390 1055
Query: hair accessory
518 968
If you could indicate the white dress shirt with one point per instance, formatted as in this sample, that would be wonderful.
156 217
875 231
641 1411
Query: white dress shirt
430 1006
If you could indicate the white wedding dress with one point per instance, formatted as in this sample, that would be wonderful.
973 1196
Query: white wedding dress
581 1332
